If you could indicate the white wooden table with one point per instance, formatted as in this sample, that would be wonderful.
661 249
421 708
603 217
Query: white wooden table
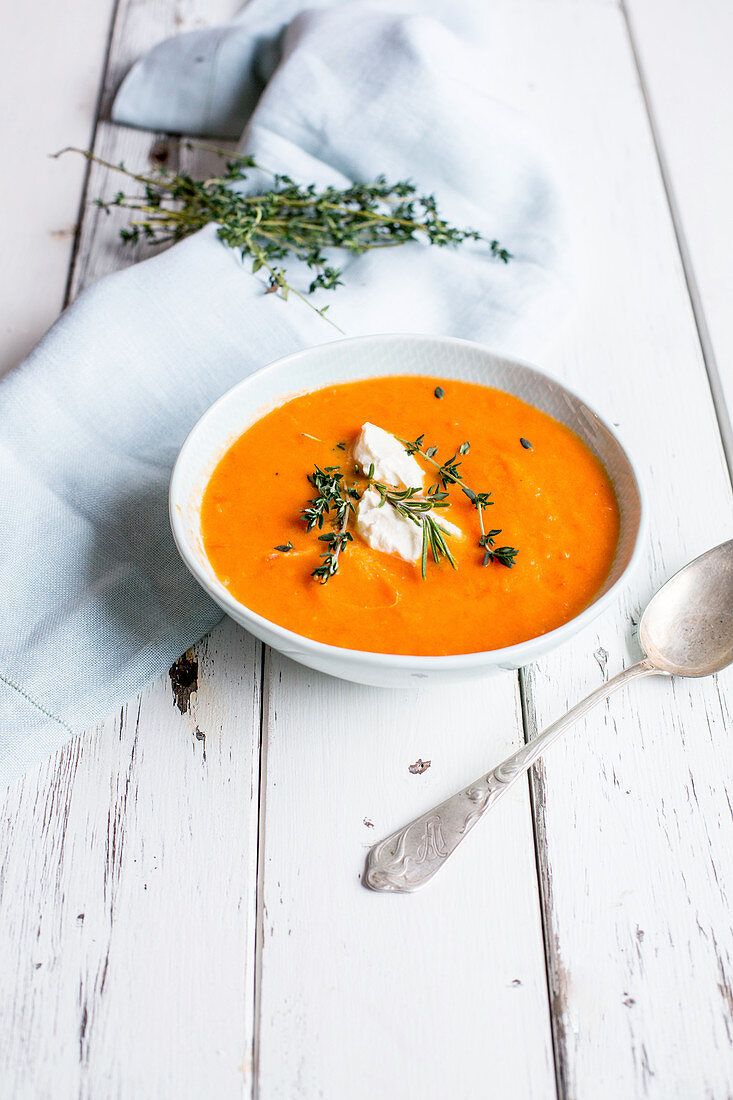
180 896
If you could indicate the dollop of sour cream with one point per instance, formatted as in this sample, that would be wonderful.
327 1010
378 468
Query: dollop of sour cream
379 524
392 464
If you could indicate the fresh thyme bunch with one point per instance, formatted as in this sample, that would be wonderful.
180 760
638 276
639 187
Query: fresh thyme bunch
289 221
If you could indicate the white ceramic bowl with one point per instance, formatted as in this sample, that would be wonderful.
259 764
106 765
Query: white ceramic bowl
369 357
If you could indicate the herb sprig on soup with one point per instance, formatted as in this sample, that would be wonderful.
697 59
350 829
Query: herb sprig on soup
373 515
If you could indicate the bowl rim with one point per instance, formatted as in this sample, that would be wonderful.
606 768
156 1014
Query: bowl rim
516 655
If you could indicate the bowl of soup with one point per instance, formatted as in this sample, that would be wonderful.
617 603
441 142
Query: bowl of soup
392 509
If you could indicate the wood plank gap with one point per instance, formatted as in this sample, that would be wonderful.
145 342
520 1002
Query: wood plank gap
92 141
722 411
260 874
535 778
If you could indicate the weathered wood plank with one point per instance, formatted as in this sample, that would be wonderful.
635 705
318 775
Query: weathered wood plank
127 896
137 27
49 88
683 52
633 808
442 993
127 886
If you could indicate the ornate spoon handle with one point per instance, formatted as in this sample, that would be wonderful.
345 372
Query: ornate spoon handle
409 857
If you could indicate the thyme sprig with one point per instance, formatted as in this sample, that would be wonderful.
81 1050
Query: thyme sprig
332 501
291 221
407 503
329 497
449 474
336 542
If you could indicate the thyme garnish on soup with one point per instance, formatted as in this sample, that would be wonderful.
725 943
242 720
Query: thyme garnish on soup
334 502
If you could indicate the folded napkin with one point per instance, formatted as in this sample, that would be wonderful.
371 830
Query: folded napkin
95 602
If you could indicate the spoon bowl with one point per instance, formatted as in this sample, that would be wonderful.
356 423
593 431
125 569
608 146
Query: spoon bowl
687 628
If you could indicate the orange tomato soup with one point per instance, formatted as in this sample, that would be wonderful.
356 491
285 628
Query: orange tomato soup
553 502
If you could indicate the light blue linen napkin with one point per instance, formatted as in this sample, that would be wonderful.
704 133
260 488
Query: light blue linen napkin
95 602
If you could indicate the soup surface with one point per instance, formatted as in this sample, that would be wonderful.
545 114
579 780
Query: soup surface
551 499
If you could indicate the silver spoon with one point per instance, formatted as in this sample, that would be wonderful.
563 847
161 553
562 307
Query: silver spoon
686 630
